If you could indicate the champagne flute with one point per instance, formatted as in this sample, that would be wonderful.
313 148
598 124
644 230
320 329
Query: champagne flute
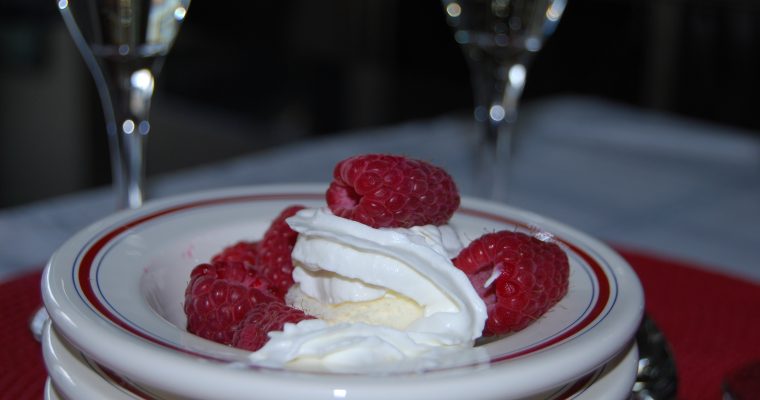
499 39
124 44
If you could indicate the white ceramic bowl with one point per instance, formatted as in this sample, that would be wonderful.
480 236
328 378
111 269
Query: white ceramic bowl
115 291
74 376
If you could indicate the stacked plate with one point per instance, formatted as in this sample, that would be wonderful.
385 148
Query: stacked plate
114 293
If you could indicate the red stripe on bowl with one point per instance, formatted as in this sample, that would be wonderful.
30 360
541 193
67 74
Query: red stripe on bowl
84 268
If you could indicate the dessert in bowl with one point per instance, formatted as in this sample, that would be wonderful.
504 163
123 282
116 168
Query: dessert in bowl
116 291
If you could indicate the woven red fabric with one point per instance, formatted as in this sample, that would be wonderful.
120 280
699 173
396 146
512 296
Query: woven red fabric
711 320
22 372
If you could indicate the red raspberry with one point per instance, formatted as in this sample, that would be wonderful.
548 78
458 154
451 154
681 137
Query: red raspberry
219 296
262 319
244 252
532 277
392 191
273 262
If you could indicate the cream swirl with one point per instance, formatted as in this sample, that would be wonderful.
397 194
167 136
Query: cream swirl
343 263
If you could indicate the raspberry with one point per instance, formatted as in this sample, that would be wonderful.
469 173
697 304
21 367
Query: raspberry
219 296
243 251
263 318
273 262
519 277
392 191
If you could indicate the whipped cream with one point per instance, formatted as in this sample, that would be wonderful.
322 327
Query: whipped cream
387 298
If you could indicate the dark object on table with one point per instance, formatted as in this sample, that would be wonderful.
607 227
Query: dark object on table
656 377
743 383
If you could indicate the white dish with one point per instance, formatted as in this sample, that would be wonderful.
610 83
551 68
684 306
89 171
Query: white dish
70 377
77 377
614 381
73 376
115 291
49 392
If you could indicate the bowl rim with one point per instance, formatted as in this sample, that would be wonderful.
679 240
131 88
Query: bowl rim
99 339
84 378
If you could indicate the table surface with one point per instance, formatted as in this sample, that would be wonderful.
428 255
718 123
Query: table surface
679 199
636 179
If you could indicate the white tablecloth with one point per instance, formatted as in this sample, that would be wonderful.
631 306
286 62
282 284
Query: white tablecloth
633 178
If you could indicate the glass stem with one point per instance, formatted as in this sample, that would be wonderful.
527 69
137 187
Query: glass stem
125 84
497 86
126 90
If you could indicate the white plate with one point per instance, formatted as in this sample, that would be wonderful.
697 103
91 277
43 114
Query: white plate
73 376
115 290
49 392
77 377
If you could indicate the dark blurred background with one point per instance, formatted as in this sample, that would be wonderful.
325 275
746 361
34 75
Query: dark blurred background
246 76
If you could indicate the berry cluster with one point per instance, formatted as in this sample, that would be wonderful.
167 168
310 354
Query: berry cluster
223 295
238 297
392 191
518 276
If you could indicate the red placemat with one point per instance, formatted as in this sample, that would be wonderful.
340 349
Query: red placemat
712 322
22 372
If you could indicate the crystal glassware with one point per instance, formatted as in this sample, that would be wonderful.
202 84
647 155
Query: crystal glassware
499 38
124 44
